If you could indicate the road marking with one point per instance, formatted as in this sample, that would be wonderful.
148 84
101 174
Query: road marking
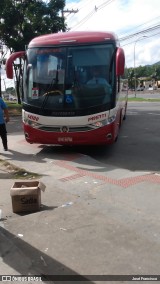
153 113
132 113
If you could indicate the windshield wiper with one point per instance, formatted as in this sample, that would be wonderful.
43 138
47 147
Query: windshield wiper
54 82
76 83
56 78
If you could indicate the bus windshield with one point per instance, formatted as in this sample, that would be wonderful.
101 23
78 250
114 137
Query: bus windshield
69 78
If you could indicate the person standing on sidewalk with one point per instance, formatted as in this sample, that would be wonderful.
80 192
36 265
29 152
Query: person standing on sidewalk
4 118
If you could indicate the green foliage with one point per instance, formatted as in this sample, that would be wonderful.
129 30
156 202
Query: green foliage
26 19
133 99
149 71
143 73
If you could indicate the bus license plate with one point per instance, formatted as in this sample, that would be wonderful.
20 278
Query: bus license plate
65 139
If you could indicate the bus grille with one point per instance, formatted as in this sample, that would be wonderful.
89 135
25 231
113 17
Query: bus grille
71 129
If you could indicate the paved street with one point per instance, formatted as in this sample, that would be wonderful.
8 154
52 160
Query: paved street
100 211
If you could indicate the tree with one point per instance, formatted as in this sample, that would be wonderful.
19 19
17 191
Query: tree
22 20
144 73
131 78
158 72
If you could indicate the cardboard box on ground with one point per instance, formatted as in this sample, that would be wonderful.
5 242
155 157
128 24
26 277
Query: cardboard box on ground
26 196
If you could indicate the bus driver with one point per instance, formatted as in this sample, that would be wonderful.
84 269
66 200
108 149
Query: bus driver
97 79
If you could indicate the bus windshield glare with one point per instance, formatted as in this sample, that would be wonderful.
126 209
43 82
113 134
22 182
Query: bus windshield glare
69 78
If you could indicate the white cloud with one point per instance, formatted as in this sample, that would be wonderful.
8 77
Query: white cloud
124 17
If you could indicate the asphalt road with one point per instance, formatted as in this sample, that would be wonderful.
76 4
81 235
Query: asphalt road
139 140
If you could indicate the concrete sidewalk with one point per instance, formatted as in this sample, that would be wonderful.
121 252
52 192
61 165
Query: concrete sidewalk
95 219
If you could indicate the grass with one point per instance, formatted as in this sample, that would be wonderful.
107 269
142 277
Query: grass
142 100
16 172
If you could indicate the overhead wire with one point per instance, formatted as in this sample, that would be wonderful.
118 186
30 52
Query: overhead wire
145 31
104 4
152 35
124 37
153 19
79 8
96 8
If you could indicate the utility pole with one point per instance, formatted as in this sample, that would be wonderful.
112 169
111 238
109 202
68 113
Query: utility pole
135 85
69 11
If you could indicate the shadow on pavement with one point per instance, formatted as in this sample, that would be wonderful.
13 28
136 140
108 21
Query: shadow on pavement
27 260
19 156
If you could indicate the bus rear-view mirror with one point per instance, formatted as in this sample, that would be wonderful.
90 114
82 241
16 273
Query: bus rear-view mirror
120 61
9 63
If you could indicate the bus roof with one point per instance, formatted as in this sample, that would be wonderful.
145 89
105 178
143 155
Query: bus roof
72 37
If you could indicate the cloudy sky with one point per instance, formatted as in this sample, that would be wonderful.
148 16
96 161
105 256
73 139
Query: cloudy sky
137 20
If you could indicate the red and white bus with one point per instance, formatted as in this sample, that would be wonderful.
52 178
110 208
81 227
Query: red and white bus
62 103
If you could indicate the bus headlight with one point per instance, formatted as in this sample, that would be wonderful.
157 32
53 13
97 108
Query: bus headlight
31 123
99 124
111 119
104 122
